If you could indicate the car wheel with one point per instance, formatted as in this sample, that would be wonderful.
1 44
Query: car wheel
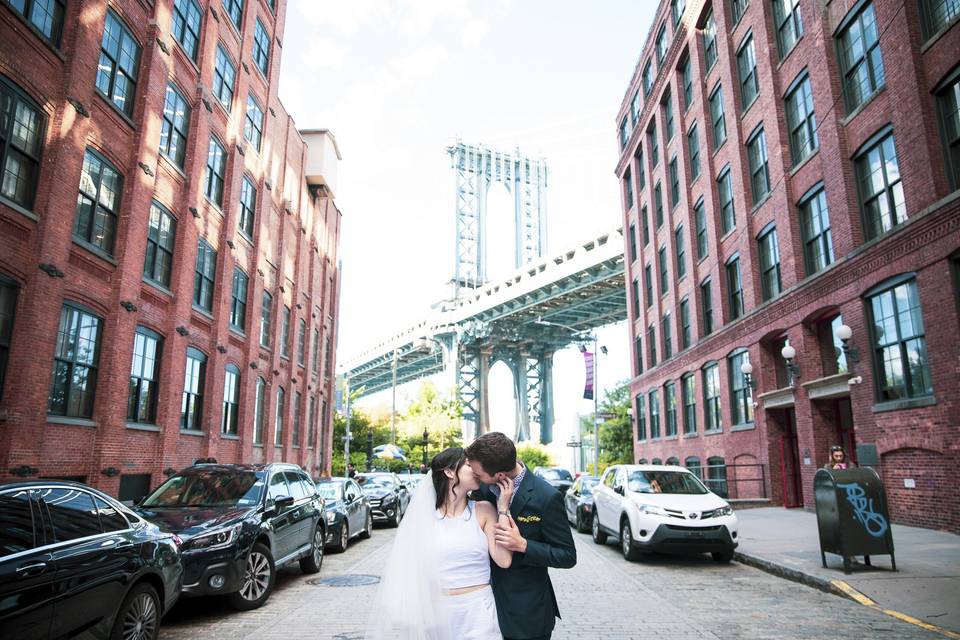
629 550
582 526
395 521
598 536
258 580
344 538
722 557
368 527
139 615
313 562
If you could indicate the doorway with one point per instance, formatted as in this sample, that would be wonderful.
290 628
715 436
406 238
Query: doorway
790 461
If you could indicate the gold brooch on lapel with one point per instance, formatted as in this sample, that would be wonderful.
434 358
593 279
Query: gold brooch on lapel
528 519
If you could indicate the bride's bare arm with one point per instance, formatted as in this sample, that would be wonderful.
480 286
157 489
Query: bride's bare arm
487 514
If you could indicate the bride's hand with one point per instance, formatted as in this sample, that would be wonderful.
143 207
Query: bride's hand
506 493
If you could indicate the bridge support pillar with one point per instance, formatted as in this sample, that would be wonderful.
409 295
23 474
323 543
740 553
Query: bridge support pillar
472 371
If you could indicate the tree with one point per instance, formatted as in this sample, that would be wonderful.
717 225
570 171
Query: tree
616 430
533 456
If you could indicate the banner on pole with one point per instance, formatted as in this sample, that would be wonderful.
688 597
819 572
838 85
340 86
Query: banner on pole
588 387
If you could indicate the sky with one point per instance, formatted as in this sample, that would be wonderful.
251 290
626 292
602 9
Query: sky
397 81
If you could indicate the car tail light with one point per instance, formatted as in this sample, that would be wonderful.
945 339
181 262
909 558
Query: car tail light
178 541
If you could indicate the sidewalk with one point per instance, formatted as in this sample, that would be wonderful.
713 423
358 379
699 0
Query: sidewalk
926 586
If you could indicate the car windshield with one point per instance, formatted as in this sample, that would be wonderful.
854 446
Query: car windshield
664 482
330 490
586 487
209 488
556 474
376 482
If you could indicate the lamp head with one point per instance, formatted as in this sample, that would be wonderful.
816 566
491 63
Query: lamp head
788 352
844 332
746 368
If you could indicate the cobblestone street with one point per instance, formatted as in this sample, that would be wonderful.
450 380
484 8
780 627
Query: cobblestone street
603 597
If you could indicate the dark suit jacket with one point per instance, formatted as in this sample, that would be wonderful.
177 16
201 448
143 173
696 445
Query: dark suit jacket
526 604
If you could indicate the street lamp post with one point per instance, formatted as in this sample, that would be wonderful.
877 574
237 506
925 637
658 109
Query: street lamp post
426 441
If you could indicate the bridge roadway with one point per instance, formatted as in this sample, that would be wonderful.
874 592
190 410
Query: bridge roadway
603 597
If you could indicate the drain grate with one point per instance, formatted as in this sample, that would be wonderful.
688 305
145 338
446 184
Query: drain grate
348 580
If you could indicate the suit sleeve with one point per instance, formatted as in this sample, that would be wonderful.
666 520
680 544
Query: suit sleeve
556 549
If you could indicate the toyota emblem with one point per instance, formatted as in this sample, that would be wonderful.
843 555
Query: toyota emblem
693 515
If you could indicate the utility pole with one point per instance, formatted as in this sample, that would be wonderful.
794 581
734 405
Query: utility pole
596 394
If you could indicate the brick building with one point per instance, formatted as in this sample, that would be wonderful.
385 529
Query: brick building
168 244
789 168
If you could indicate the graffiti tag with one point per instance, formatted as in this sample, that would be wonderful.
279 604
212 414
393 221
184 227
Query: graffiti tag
874 523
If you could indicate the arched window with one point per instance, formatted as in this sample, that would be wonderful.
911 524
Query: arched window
191 409
258 412
144 376
693 464
21 138
717 476
673 461
231 400
657 461
642 461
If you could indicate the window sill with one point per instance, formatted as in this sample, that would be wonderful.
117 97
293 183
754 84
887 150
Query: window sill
929 42
183 53
97 251
20 209
718 148
715 432
229 436
67 420
763 200
746 109
909 403
203 312
143 426
803 161
666 438
191 432
123 116
213 205
172 165
783 58
257 446
238 331
243 236
746 426
691 435
156 285
863 105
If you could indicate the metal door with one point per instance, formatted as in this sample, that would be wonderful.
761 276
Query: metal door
790 462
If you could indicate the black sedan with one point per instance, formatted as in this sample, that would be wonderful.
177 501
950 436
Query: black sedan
75 561
388 496
238 524
347 511
558 477
578 502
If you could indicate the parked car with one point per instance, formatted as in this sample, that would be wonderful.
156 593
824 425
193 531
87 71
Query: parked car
74 560
558 477
239 523
347 511
662 508
388 496
578 502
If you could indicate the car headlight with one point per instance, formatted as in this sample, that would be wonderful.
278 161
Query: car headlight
651 510
213 540
723 511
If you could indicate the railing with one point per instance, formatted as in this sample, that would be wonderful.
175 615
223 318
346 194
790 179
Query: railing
734 481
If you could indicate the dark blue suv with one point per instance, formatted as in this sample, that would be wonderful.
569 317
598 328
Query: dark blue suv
239 523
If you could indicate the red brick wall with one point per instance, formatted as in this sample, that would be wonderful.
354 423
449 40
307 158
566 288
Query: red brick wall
294 230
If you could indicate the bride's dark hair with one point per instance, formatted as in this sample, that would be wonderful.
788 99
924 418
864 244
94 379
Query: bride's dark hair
450 458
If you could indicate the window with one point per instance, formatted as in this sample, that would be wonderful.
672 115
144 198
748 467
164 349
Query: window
668 116
717 476
670 401
216 167
759 171
301 342
261 48
635 106
833 359
717 117
741 394
636 299
75 359
633 243
315 356
881 193
312 422
203 276
789 23
860 59
224 77
801 120
253 123
231 400
119 59
641 169
8 303
248 206
647 78
728 216
186 25
693 464
658 204
737 9
680 252
278 419
258 400
652 346
948 100
937 14
676 10
648 284
297 398
144 376
663 45
266 311
175 126
693 144
710 41
21 136
73 513
654 144
638 354
700 218
747 68
686 74
706 301
285 332
674 183
98 203
899 342
191 408
770 283
641 414
664 278
234 9
654 414
667 337
238 303
815 225
645 223
688 388
628 189
161 235
624 133
686 336
734 287
45 15
712 419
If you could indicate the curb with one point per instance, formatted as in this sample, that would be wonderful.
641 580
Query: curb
795 575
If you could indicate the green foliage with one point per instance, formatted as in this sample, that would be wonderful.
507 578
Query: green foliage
616 431
533 456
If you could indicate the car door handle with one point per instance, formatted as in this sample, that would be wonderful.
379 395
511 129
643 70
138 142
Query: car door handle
32 569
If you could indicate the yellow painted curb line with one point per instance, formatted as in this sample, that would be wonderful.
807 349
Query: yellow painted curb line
867 602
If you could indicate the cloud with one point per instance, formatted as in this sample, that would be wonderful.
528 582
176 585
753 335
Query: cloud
324 53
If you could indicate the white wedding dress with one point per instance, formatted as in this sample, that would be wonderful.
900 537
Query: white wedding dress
431 555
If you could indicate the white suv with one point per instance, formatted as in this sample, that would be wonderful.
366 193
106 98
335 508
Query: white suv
662 508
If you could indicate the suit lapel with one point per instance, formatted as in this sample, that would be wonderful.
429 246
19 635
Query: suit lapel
524 492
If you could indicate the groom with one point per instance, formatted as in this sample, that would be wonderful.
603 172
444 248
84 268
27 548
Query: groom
538 535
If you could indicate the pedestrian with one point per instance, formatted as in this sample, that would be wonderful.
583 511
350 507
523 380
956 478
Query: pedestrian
838 459
351 472
423 468
537 533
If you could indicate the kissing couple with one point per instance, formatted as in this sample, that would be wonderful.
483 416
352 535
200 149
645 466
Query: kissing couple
471 555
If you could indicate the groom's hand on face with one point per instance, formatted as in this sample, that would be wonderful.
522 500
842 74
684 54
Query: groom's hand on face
508 536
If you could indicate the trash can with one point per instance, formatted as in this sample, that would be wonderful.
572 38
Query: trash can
852 515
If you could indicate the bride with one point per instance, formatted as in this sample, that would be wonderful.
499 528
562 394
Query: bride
436 584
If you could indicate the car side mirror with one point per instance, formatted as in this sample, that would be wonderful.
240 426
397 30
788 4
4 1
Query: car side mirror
619 489
282 502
